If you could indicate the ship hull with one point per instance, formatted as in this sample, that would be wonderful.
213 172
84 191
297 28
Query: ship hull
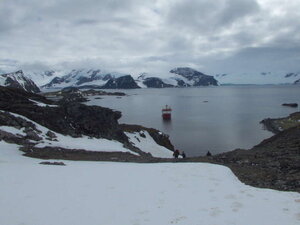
166 116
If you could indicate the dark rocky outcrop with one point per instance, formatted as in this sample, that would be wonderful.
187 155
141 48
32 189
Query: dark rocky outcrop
279 124
274 163
67 118
18 80
293 105
124 82
154 82
53 163
198 78
297 81
53 82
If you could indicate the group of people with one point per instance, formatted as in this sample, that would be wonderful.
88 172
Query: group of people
176 154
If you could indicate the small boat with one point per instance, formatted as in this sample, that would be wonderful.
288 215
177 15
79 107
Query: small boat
166 113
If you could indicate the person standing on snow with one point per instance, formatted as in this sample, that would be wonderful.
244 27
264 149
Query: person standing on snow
183 154
176 153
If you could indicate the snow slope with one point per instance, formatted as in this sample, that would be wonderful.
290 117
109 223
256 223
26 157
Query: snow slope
147 144
44 77
131 194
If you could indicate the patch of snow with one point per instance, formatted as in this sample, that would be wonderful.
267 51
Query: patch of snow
140 83
9 153
147 144
13 130
95 82
42 104
86 143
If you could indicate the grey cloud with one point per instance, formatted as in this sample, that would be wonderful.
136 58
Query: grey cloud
234 10
204 16
86 22
133 35
259 60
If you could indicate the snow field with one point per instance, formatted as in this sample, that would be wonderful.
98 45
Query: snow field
132 194
42 104
147 144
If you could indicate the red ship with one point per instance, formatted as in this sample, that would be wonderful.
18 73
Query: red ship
166 113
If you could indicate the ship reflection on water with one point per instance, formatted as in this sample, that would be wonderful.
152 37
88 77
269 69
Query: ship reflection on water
167 125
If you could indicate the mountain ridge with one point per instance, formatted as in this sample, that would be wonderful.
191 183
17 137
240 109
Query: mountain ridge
18 80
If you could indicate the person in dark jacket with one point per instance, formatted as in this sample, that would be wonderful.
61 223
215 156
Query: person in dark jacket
183 154
176 153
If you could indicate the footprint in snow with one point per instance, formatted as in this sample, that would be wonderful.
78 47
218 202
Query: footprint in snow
236 206
230 197
178 219
215 211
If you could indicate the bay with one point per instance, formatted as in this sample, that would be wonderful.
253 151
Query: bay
215 119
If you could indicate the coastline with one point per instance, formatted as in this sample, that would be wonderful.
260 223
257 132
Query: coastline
255 167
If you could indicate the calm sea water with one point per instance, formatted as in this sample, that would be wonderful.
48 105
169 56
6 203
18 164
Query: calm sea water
215 119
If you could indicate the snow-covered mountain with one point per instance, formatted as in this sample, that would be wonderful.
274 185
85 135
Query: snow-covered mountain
18 80
42 78
258 78
92 78
194 77
178 77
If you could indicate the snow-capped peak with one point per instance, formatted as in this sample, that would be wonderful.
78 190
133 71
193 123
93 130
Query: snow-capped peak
18 80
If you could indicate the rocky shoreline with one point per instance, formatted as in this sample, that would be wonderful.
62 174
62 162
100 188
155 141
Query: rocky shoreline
279 124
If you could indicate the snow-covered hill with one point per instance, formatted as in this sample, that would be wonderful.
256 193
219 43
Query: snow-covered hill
178 77
131 194
195 77
18 80
258 78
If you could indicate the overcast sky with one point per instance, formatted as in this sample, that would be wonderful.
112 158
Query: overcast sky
213 36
